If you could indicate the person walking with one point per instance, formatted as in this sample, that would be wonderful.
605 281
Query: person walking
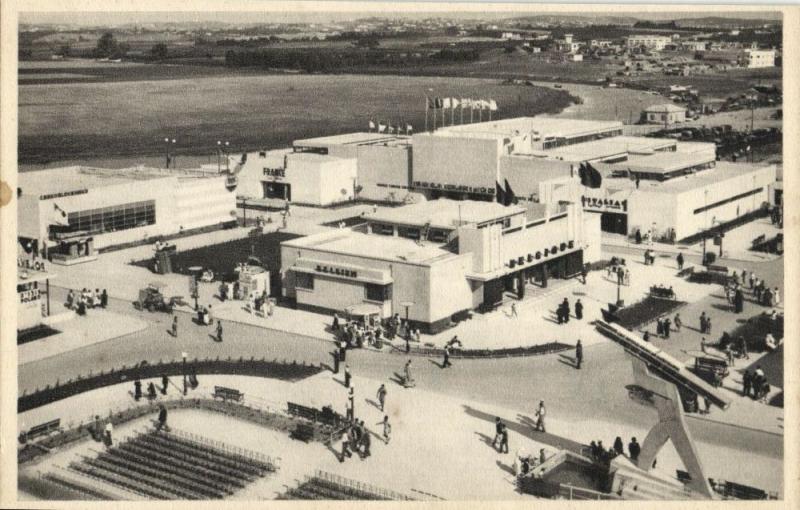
408 380
446 362
703 345
747 383
578 354
109 431
382 396
667 327
366 442
578 309
743 348
678 323
345 448
680 261
540 415
104 299
708 325
347 376
584 274
729 354
175 326
219 330
137 390
565 304
164 384
514 310
387 429
660 327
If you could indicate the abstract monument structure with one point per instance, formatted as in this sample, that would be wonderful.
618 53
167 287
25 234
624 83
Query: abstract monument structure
661 376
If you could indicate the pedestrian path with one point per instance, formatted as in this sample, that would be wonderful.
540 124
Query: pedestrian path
439 445
96 326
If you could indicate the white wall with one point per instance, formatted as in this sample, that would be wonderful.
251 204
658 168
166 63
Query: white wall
337 178
389 166
524 174
202 202
456 160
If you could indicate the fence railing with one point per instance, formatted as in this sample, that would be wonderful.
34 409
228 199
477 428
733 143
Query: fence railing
248 367
533 350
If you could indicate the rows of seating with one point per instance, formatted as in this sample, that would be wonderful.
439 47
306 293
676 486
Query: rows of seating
163 465
325 488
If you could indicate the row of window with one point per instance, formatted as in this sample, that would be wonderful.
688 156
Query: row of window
434 234
372 291
728 200
110 219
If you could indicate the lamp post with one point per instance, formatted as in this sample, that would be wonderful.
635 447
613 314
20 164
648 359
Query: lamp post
184 355
705 223
166 150
222 148
407 305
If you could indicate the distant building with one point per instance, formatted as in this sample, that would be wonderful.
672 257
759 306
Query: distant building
758 58
665 114
651 42
694 45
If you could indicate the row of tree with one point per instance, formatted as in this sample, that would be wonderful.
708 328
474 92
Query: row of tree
314 60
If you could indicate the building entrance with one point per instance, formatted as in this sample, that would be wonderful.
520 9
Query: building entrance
615 223
279 190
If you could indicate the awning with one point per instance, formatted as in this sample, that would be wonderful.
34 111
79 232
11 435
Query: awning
363 310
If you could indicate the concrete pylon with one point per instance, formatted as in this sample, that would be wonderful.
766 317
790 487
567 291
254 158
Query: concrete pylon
671 425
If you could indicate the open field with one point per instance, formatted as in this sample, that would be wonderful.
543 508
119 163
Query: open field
80 120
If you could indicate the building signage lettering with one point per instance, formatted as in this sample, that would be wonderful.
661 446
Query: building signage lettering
26 296
454 187
338 271
275 172
64 194
604 203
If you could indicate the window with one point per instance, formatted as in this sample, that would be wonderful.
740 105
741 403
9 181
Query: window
111 219
377 292
383 229
437 235
304 281
409 232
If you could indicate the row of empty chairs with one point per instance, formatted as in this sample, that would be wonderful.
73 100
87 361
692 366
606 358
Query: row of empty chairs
324 486
162 465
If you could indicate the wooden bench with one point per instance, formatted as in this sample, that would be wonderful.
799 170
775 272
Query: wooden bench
711 369
303 432
715 268
301 411
43 429
739 491
228 394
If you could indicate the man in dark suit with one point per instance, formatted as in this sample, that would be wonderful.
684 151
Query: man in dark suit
578 354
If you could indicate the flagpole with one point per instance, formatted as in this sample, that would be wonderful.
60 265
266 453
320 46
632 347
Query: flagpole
426 113
434 113
452 113
471 111
462 111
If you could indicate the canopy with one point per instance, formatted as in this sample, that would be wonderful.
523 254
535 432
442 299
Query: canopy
363 310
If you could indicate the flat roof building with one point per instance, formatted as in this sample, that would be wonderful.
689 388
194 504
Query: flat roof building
664 114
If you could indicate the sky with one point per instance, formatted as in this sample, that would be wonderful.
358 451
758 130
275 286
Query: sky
116 18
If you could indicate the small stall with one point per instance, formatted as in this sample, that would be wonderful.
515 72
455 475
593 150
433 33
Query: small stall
74 248
365 313
33 292
253 281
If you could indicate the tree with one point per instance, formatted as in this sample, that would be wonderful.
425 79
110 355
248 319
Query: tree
106 45
159 51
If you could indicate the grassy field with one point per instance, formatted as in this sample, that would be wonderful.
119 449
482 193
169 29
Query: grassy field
83 120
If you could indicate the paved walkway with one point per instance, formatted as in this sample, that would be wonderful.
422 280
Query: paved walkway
439 444
75 332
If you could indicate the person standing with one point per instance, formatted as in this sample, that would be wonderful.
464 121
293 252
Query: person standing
408 380
703 323
660 327
219 330
747 383
743 348
584 274
342 350
578 309
703 345
678 323
729 354
578 354
382 396
108 435
565 304
752 280
446 363
504 439
351 405
708 325
164 384
540 415
137 390
514 310
345 445
347 376
498 432
104 299
667 327
634 449
366 441
162 417
619 449
175 326
776 297
680 261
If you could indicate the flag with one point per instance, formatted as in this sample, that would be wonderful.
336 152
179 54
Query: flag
582 175
446 103
500 195
371 125
390 129
484 104
590 176
454 102
510 197
59 216
409 128
438 103
493 105
381 128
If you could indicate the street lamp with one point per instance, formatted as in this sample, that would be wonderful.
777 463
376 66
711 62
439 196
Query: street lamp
407 305
184 355
705 223
222 148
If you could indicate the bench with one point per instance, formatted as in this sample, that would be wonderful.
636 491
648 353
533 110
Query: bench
715 268
303 432
43 429
662 292
228 394
712 370
301 411
739 491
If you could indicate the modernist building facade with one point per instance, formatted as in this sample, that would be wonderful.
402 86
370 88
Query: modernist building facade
92 208
434 261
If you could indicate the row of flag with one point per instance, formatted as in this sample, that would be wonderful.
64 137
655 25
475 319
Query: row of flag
436 103
380 127
590 176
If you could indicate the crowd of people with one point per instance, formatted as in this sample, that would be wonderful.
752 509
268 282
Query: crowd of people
603 455
371 330
755 385
564 311
86 299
